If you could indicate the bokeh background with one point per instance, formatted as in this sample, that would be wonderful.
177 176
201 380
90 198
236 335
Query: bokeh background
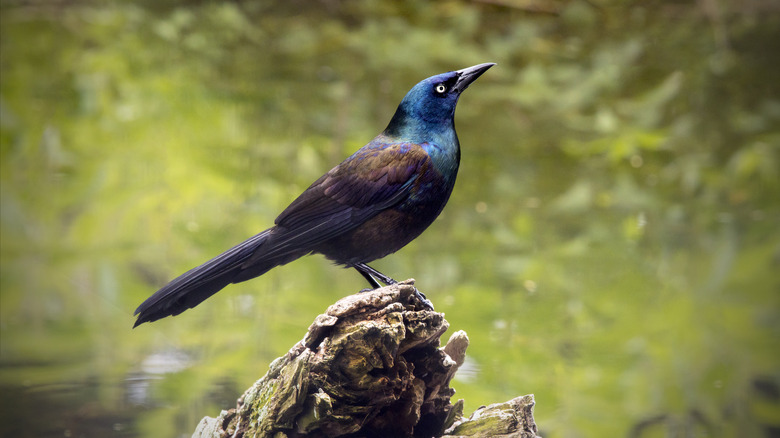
612 244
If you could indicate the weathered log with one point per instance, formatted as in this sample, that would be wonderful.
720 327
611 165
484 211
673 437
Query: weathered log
370 366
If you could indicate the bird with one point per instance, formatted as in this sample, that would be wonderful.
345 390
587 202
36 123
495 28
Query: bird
370 205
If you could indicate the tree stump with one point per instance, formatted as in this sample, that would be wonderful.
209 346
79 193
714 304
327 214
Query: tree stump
370 366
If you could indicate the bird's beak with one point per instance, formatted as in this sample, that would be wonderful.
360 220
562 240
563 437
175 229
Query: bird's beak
470 74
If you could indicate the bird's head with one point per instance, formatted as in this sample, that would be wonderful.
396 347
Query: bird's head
430 105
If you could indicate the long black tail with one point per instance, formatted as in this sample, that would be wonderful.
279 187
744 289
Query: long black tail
191 288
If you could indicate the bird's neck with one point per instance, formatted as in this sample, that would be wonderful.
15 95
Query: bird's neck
438 133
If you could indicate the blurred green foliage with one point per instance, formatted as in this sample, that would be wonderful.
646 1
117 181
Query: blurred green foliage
612 244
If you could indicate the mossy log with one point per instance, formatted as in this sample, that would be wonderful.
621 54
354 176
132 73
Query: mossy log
370 366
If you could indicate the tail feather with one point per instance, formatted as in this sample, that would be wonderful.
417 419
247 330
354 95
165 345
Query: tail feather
191 288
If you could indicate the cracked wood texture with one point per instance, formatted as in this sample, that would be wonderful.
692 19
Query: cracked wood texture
370 366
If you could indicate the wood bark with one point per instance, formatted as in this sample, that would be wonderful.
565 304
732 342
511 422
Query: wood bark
370 366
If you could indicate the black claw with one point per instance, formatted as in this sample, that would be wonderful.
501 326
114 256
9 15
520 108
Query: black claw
423 299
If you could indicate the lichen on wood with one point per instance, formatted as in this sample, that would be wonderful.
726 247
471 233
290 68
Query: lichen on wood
371 365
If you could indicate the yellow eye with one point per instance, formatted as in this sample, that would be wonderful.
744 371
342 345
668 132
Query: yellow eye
441 88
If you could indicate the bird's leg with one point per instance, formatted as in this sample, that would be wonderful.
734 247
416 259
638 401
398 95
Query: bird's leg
371 281
369 273
372 274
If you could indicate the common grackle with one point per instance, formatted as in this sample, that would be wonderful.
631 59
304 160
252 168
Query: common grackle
371 205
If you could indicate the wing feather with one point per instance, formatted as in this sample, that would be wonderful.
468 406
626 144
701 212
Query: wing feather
375 178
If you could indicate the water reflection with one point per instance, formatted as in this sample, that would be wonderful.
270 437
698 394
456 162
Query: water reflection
63 410
138 389
166 361
153 368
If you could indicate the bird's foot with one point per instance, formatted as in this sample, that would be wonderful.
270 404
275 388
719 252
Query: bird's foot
377 286
423 299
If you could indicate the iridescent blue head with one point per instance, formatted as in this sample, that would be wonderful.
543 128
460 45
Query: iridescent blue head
426 113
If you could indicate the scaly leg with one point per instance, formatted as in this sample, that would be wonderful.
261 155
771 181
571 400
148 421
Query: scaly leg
372 274
369 273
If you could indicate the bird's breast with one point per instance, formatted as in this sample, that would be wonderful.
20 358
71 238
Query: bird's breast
383 234
392 228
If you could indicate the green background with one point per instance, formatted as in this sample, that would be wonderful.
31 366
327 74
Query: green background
612 244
